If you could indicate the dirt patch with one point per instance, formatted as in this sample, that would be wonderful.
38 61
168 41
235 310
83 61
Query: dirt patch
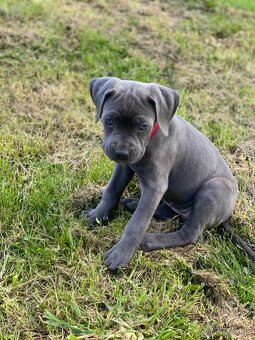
85 199
10 37
246 150
234 321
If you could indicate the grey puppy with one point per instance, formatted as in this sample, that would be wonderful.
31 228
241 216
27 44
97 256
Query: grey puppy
179 170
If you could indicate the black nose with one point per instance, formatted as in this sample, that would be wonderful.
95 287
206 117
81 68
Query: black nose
121 155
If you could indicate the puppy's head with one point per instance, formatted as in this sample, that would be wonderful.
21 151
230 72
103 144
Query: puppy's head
129 111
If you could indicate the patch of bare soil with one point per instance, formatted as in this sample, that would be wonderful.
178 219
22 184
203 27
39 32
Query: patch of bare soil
85 199
10 35
233 320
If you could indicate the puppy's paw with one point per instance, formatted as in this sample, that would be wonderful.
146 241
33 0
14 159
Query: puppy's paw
94 217
130 203
119 255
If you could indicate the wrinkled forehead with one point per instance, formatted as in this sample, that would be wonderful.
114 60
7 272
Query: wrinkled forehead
130 99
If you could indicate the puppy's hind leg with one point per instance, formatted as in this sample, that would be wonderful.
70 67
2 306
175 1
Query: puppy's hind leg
213 204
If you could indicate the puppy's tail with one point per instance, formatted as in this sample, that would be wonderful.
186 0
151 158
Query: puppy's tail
237 240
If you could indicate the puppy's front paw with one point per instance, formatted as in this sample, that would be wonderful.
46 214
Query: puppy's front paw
119 255
93 217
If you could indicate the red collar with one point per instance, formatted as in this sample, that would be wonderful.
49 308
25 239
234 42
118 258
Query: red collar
154 130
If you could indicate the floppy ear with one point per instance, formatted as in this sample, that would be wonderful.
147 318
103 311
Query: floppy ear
100 89
165 102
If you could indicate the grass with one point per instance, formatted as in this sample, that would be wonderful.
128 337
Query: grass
53 284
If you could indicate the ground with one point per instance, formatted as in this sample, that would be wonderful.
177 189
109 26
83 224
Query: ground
53 284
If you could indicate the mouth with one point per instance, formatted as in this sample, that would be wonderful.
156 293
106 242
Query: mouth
128 160
123 153
123 159
120 162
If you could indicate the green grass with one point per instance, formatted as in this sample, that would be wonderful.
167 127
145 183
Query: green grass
53 284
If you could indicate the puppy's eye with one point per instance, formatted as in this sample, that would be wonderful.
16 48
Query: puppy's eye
109 121
142 126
